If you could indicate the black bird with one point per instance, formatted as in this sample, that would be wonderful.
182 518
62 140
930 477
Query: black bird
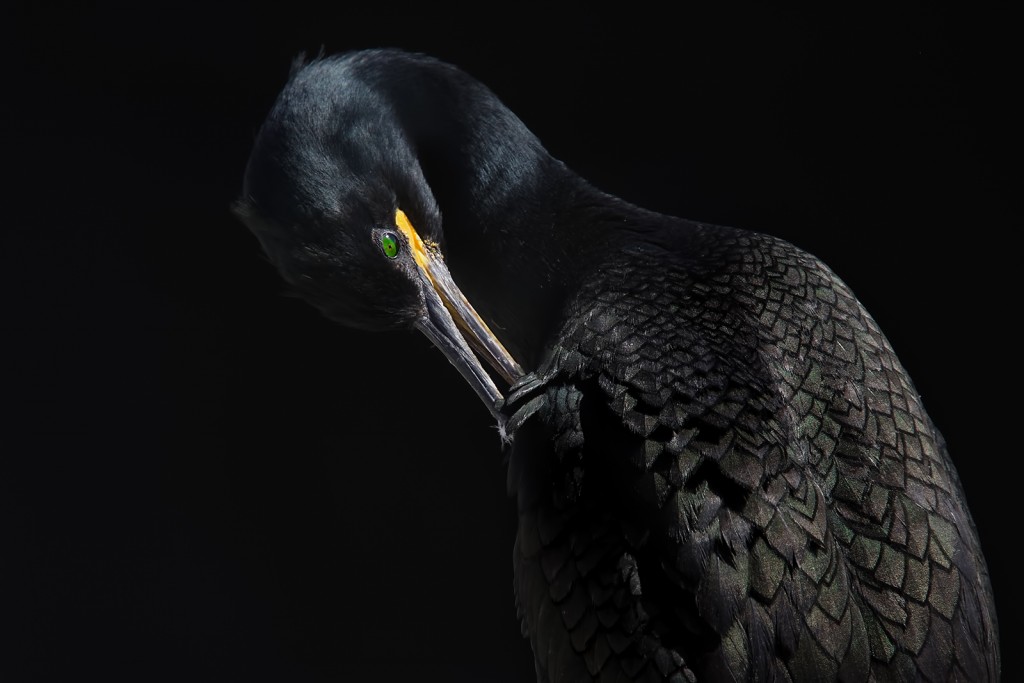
722 470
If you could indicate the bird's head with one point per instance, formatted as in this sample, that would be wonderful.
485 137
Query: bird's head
335 194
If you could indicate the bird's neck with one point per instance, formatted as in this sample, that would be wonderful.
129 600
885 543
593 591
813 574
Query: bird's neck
518 254
511 236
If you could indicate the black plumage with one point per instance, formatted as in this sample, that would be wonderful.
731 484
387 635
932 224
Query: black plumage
722 470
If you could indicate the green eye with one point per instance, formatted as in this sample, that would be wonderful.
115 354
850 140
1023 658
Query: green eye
389 243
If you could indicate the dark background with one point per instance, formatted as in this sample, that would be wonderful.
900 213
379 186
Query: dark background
201 479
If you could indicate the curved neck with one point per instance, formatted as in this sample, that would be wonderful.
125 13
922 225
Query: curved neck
505 205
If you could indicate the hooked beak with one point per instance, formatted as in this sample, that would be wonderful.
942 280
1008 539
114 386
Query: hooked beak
453 326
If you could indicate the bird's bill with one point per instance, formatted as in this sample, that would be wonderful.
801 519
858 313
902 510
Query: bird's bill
454 326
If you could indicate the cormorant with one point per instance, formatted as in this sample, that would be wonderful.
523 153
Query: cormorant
722 470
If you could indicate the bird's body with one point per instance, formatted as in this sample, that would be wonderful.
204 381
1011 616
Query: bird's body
722 470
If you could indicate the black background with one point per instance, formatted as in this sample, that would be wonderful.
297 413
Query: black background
201 479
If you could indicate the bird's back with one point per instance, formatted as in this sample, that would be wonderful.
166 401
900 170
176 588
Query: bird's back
723 470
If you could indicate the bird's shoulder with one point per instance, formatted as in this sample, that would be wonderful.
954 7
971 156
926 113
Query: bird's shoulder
722 411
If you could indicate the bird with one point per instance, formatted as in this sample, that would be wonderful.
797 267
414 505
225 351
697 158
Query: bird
719 466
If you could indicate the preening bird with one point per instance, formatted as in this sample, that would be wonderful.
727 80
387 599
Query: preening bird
721 469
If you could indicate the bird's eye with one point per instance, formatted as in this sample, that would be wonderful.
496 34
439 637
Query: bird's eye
389 243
